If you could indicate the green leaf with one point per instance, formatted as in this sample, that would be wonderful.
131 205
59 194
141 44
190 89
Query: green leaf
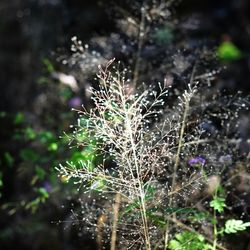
40 172
33 205
85 155
46 137
189 241
9 159
163 35
43 193
53 146
131 208
43 80
66 93
174 244
98 184
227 51
28 154
233 226
199 216
30 134
48 65
218 204
157 219
19 118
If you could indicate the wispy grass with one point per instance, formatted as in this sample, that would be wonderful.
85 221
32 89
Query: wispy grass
149 152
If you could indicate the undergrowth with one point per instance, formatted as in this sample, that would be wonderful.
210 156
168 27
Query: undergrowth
165 157
159 179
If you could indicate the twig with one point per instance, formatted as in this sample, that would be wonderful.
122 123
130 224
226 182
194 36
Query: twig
99 228
116 208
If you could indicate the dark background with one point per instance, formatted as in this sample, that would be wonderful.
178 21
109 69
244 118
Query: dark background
31 30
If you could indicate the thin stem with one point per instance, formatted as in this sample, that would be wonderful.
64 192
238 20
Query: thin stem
138 173
177 157
215 223
116 208
100 227
140 44
177 160
141 191
215 232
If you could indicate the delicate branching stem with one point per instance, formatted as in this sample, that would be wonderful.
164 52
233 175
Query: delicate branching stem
180 143
139 181
187 99
177 159
121 126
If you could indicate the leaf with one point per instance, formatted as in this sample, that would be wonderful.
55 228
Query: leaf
43 193
66 93
19 118
48 65
218 204
46 137
40 172
27 154
159 220
53 146
88 154
233 226
98 184
174 244
189 241
227 51
9 159
163 35
199 216
131 208
29 133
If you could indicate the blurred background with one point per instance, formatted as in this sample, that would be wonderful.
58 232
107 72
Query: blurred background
42 78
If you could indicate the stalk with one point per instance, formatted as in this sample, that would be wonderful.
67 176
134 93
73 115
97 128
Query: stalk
215 232
141 194
177 157
177 160
116 208
141 191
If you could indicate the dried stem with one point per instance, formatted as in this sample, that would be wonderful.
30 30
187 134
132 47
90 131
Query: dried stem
116 208
140 44
99 229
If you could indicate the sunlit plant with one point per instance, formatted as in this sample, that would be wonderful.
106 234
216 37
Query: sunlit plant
151 162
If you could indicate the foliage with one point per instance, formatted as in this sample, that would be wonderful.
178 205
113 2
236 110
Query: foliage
234 226
218 204
137 141
189 241
227 51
